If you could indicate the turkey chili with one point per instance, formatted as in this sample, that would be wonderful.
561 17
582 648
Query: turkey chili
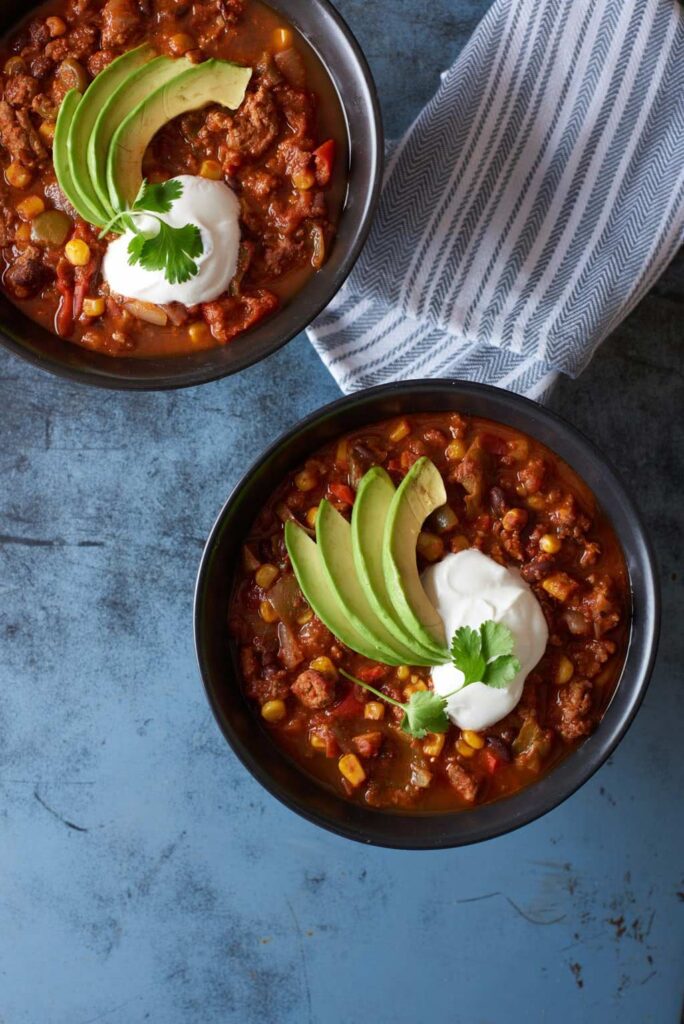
513 545
240 189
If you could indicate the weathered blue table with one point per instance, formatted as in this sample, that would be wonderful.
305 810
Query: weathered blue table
144 876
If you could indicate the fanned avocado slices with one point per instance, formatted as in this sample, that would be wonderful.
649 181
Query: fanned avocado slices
334 536
215 81
60 157
83 122
369 517
362 579
313 581
419 494
141 82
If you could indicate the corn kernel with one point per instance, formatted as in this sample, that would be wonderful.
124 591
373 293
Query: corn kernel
273 710
311 516
47 131
94 306
464 749
402 430
306 480
455 450
266 575
181 43
434 744
198 332
473 739
564 672
430 546
403 673
282 38
374 709
537 502
351 768
268 612
56 27
317 742
550 544
342 454
519 449
23 233
18 176
414 688
29 208
515 519
77 252
211 169
459 543
325 666
305 617
303 180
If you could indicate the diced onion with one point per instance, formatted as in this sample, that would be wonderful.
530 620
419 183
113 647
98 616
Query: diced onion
147 311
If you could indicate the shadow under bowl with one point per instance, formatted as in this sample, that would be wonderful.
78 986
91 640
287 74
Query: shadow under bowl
217 657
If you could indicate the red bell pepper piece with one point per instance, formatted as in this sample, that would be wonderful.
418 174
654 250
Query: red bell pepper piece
342 492
371 673
347 708
324 158
64 321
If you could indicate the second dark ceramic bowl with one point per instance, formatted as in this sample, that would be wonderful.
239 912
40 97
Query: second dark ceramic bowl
328 34
241 726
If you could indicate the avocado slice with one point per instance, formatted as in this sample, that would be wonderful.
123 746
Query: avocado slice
130 92
215 81
333 534
83 122
313 581
60 157
369 517
419 494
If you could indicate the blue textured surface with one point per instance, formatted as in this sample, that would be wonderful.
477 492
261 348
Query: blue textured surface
144 876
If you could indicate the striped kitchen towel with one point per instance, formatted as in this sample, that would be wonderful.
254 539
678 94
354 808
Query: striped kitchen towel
530 206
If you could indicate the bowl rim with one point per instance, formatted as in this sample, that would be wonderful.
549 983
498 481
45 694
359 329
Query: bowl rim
564 779
101 377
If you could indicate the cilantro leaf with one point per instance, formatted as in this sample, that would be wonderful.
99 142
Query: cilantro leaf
425 712
501 671
485 655
466 654
497 639
158 198
172 250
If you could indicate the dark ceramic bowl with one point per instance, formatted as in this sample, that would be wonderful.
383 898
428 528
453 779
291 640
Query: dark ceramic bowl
242 728
330 37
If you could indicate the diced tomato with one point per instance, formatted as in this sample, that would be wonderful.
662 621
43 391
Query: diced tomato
342 492
371 673
490 761
324 158
347 708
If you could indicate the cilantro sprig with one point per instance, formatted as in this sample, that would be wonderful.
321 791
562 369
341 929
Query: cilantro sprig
424 712
483 655
173 250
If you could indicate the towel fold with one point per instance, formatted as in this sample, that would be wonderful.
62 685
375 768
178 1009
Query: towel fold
530 206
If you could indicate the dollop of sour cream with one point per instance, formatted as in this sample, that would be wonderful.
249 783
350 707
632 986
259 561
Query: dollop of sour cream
467 589
215 209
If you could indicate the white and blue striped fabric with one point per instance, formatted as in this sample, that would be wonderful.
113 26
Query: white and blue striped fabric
530 206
